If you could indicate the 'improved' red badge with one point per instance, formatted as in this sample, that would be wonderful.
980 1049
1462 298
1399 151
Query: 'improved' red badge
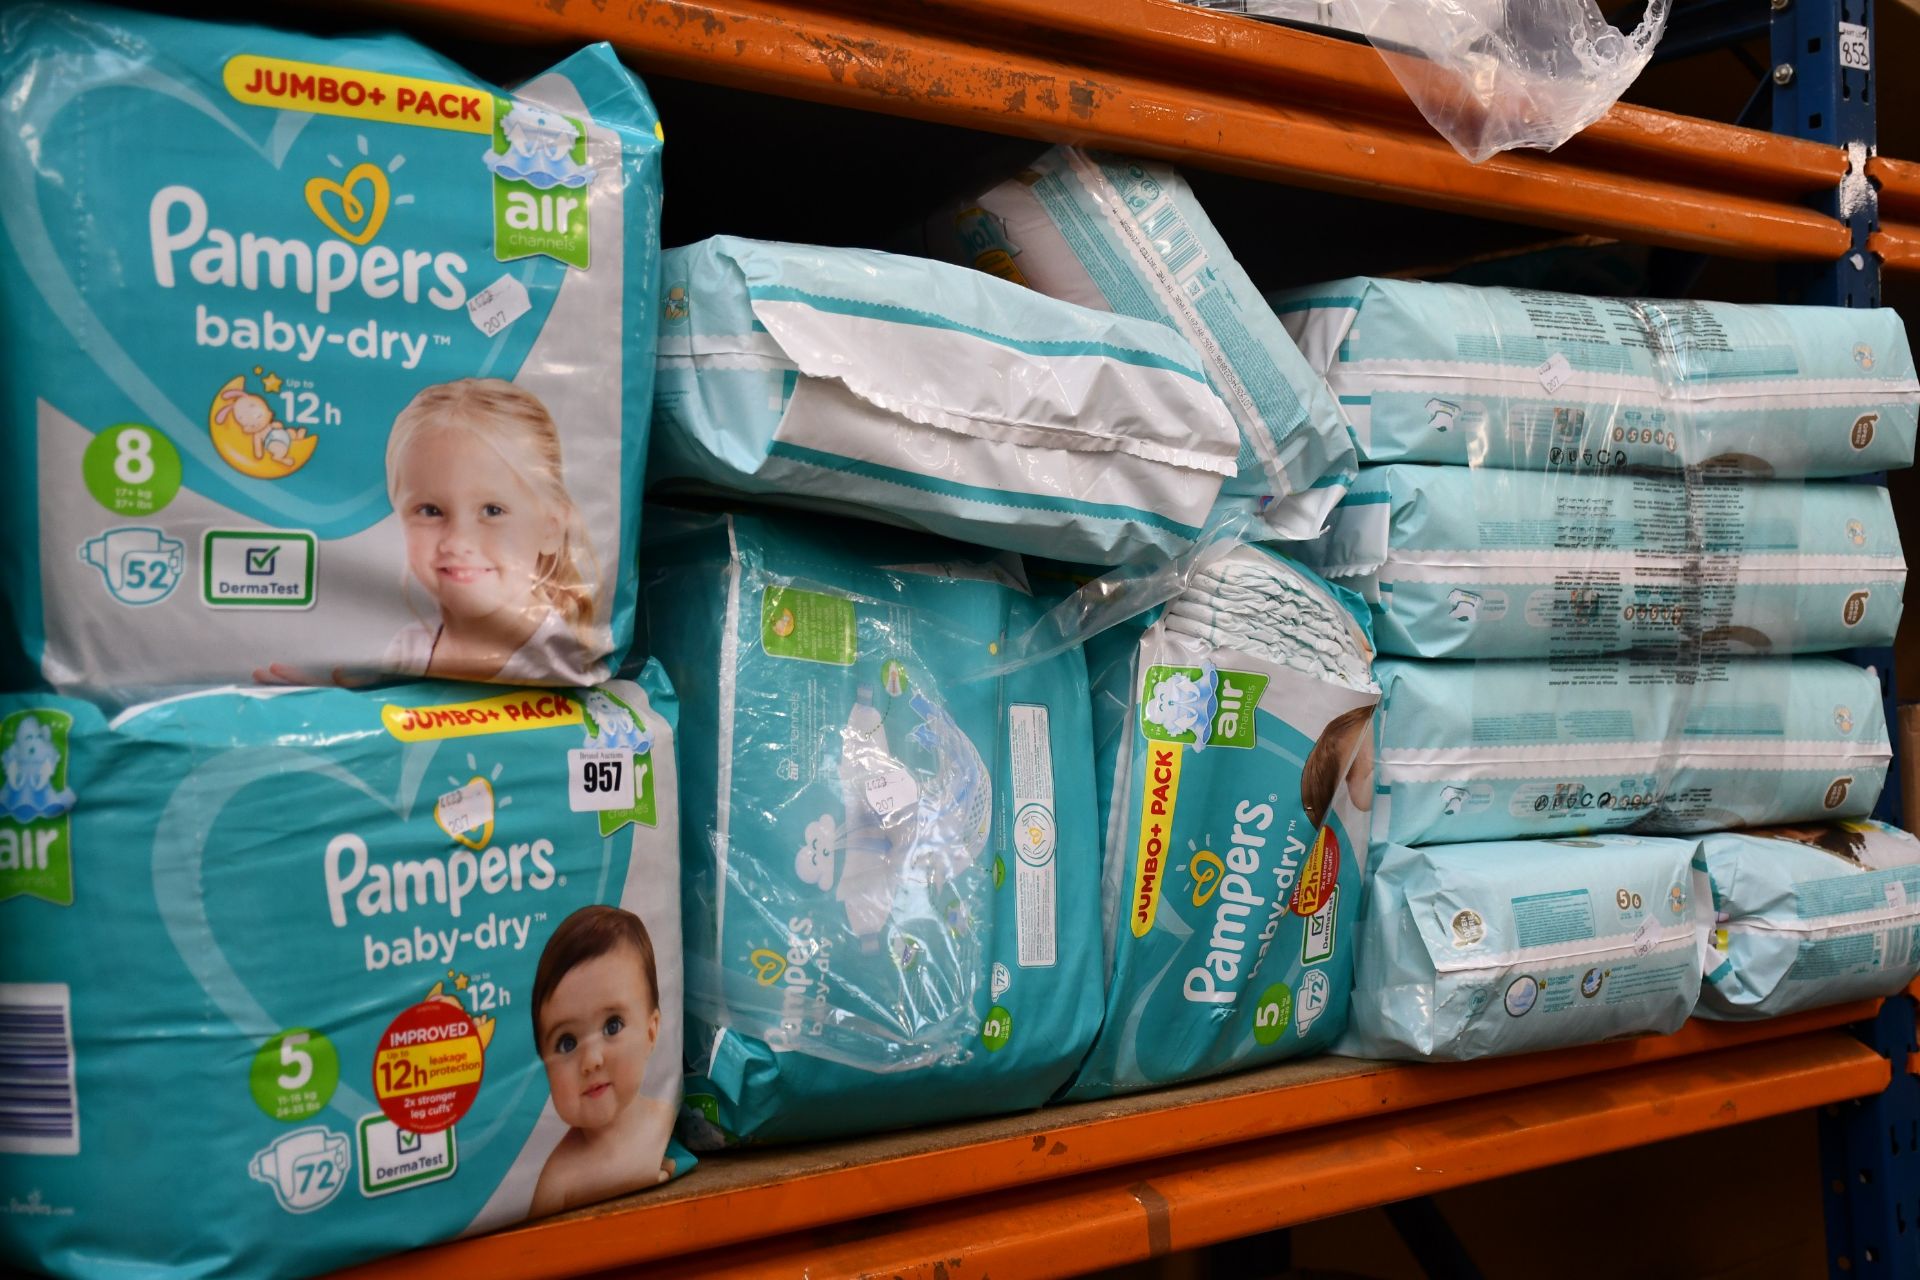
426 1072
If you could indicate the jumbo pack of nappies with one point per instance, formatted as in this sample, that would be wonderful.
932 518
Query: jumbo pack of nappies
1475 562
1808 916
922 394
291 979
1473 950
1236 778
1129 236
1493 750
892 885
321 358
1535 381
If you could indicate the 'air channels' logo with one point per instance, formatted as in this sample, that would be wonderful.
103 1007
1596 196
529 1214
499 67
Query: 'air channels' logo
36 846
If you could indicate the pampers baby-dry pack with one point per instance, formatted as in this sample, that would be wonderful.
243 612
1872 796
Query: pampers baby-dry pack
1537 381
1475 562
1129 236
1235 770
1471 950
1811 915
289 979
927 395
892 889
321 357
1496 750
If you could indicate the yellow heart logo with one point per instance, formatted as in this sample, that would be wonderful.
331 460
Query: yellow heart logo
767 966
367 213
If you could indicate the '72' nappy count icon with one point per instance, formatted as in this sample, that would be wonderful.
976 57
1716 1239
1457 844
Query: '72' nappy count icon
140 566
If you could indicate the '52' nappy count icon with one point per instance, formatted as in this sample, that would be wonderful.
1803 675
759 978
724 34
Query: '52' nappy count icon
140 566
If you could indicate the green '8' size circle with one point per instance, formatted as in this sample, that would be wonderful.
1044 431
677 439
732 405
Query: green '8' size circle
294 1074
1272 1013
131 469
997 1029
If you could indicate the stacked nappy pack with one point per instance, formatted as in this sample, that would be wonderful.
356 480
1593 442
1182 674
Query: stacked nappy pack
1605 543
1047 669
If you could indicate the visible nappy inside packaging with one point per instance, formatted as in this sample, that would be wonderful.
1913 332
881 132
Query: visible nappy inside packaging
1808 916
1535 381
305 977
320 356
1498 750
1472 950
921 394
1475 562
892 886
1236 777
1129 236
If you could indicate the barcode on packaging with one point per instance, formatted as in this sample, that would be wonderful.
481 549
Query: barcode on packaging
39 1114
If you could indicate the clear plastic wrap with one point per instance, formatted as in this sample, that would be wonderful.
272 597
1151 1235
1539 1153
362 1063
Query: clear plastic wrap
892 861
1491 75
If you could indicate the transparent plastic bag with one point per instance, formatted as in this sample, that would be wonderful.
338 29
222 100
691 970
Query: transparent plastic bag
1492 75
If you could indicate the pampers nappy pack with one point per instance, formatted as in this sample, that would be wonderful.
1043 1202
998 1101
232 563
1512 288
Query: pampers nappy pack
1474 562
1129 236
301 977
1235 772
1493 750
1811 915
1471 950
319 356
1537 381
922 394
892 887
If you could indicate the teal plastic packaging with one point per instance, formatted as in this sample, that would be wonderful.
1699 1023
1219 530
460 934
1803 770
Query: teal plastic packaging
1477 562
921 394
1474 950
892 869
1533 381
1128 235
319 356
1809 916
292 979
1501 750
1235 770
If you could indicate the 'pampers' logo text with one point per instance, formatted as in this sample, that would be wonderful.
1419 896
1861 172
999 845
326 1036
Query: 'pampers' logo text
370 889
187 246
1216 979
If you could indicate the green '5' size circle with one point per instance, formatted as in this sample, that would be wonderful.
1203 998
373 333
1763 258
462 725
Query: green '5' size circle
131 469
294 1074
997 1029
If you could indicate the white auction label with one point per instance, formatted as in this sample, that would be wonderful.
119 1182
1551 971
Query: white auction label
1643 938
1896 894
599 778
1554 372
891 790
498 305
1856 47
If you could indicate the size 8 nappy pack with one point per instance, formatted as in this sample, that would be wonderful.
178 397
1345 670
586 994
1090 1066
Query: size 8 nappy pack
1808 916
1494 750
318 355
892 886
1235 771
1471 950
1475 562
298 978
1129 236
921 394
1535 381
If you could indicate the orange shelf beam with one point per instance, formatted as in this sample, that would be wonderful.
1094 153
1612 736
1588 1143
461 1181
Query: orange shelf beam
1203 88
739 1197
1128 1215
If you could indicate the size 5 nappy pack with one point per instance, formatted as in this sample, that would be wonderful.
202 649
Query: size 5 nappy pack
1809 915
1129 236
1472 950
892 883
1476 562
296 356
1235 770
1528 380
297 978
921 394
1473 751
